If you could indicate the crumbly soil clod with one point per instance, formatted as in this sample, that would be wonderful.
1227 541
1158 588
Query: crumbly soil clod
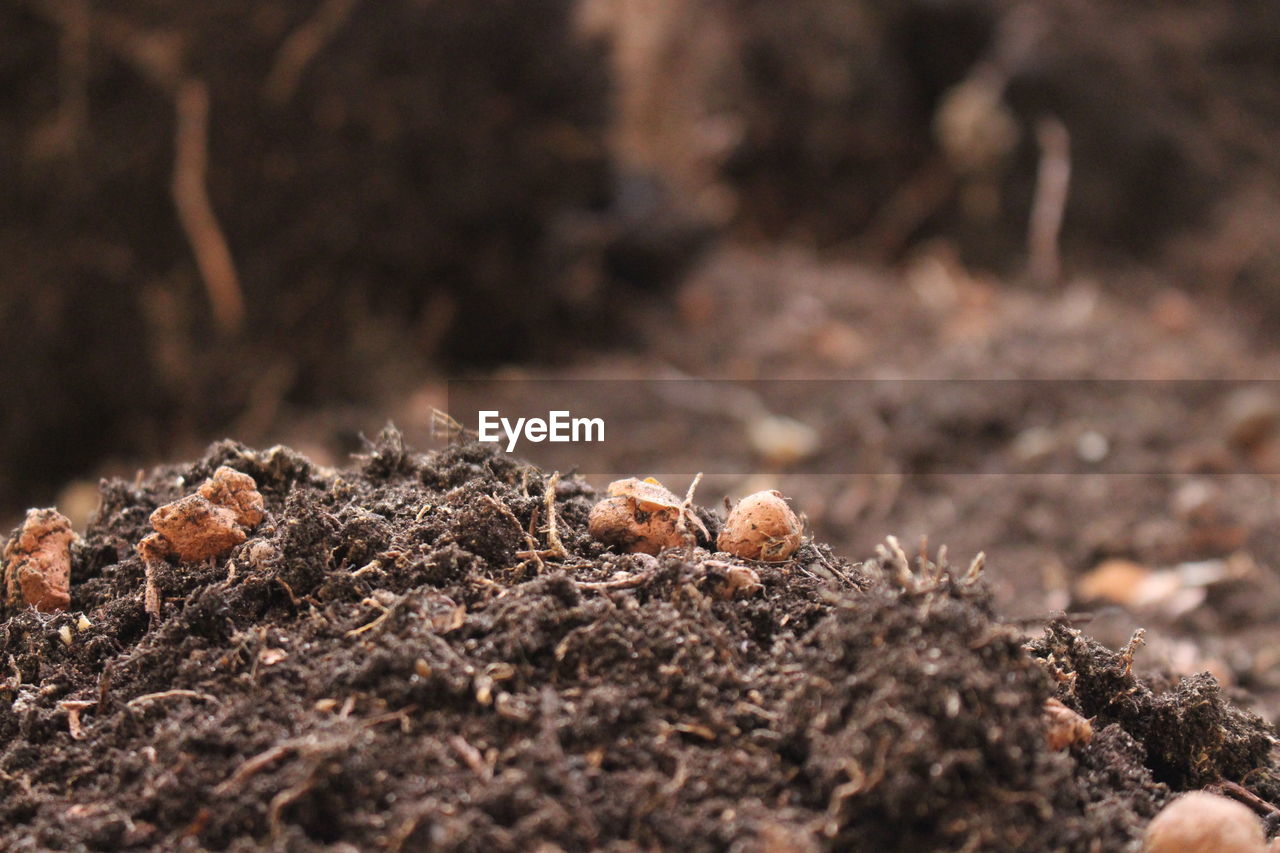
237 492
37 562
209 523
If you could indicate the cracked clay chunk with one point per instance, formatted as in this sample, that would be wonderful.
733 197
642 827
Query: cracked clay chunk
38 562
237 492
197 529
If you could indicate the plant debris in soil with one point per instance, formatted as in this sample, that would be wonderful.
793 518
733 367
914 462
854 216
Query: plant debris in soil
392 661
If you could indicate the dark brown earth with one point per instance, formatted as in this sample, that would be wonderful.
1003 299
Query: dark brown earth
526 217
381 195
377 669
434 189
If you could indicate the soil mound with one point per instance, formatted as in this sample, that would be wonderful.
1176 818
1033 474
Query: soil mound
384 664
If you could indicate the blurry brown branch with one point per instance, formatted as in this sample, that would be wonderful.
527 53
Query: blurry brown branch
195 211
1053 181
157 56
61 134
302 45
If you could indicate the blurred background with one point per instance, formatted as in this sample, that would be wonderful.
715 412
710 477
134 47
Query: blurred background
293 220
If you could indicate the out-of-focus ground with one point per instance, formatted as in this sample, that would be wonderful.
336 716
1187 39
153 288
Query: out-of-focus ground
728 189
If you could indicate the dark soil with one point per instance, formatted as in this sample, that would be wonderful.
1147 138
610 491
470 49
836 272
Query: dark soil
381 208
441 187
1165 104
377 669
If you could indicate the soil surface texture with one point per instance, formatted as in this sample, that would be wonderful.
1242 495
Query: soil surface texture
385 664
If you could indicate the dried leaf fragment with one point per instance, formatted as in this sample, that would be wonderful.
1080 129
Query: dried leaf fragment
38 562
1064 727
649 494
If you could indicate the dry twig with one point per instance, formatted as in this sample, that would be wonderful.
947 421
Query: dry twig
555 549
157 56
150 592
372 602
686 509
302 45
263 760
1265 809
1053 181
170 694
195 211
73 707
627 582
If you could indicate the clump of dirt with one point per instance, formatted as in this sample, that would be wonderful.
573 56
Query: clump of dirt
1193 736
389 662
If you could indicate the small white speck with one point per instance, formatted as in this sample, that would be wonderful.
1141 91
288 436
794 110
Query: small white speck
1092 447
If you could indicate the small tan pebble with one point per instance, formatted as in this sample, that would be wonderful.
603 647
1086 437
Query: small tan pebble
618 522
781 441
641 517
1115 580
196 529
761 527
652 496
1173 311
271 656
974 126
154 547
261 553
38 562
1201 822
740 582
237 492
1252 417
1064 727
776 838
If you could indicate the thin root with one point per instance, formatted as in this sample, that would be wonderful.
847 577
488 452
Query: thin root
1053 182
252 766
170 694
73 707
686 510
302 46
555 546
1131 649
386 611
195 211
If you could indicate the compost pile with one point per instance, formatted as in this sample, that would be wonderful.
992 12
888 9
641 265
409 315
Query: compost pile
385 663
